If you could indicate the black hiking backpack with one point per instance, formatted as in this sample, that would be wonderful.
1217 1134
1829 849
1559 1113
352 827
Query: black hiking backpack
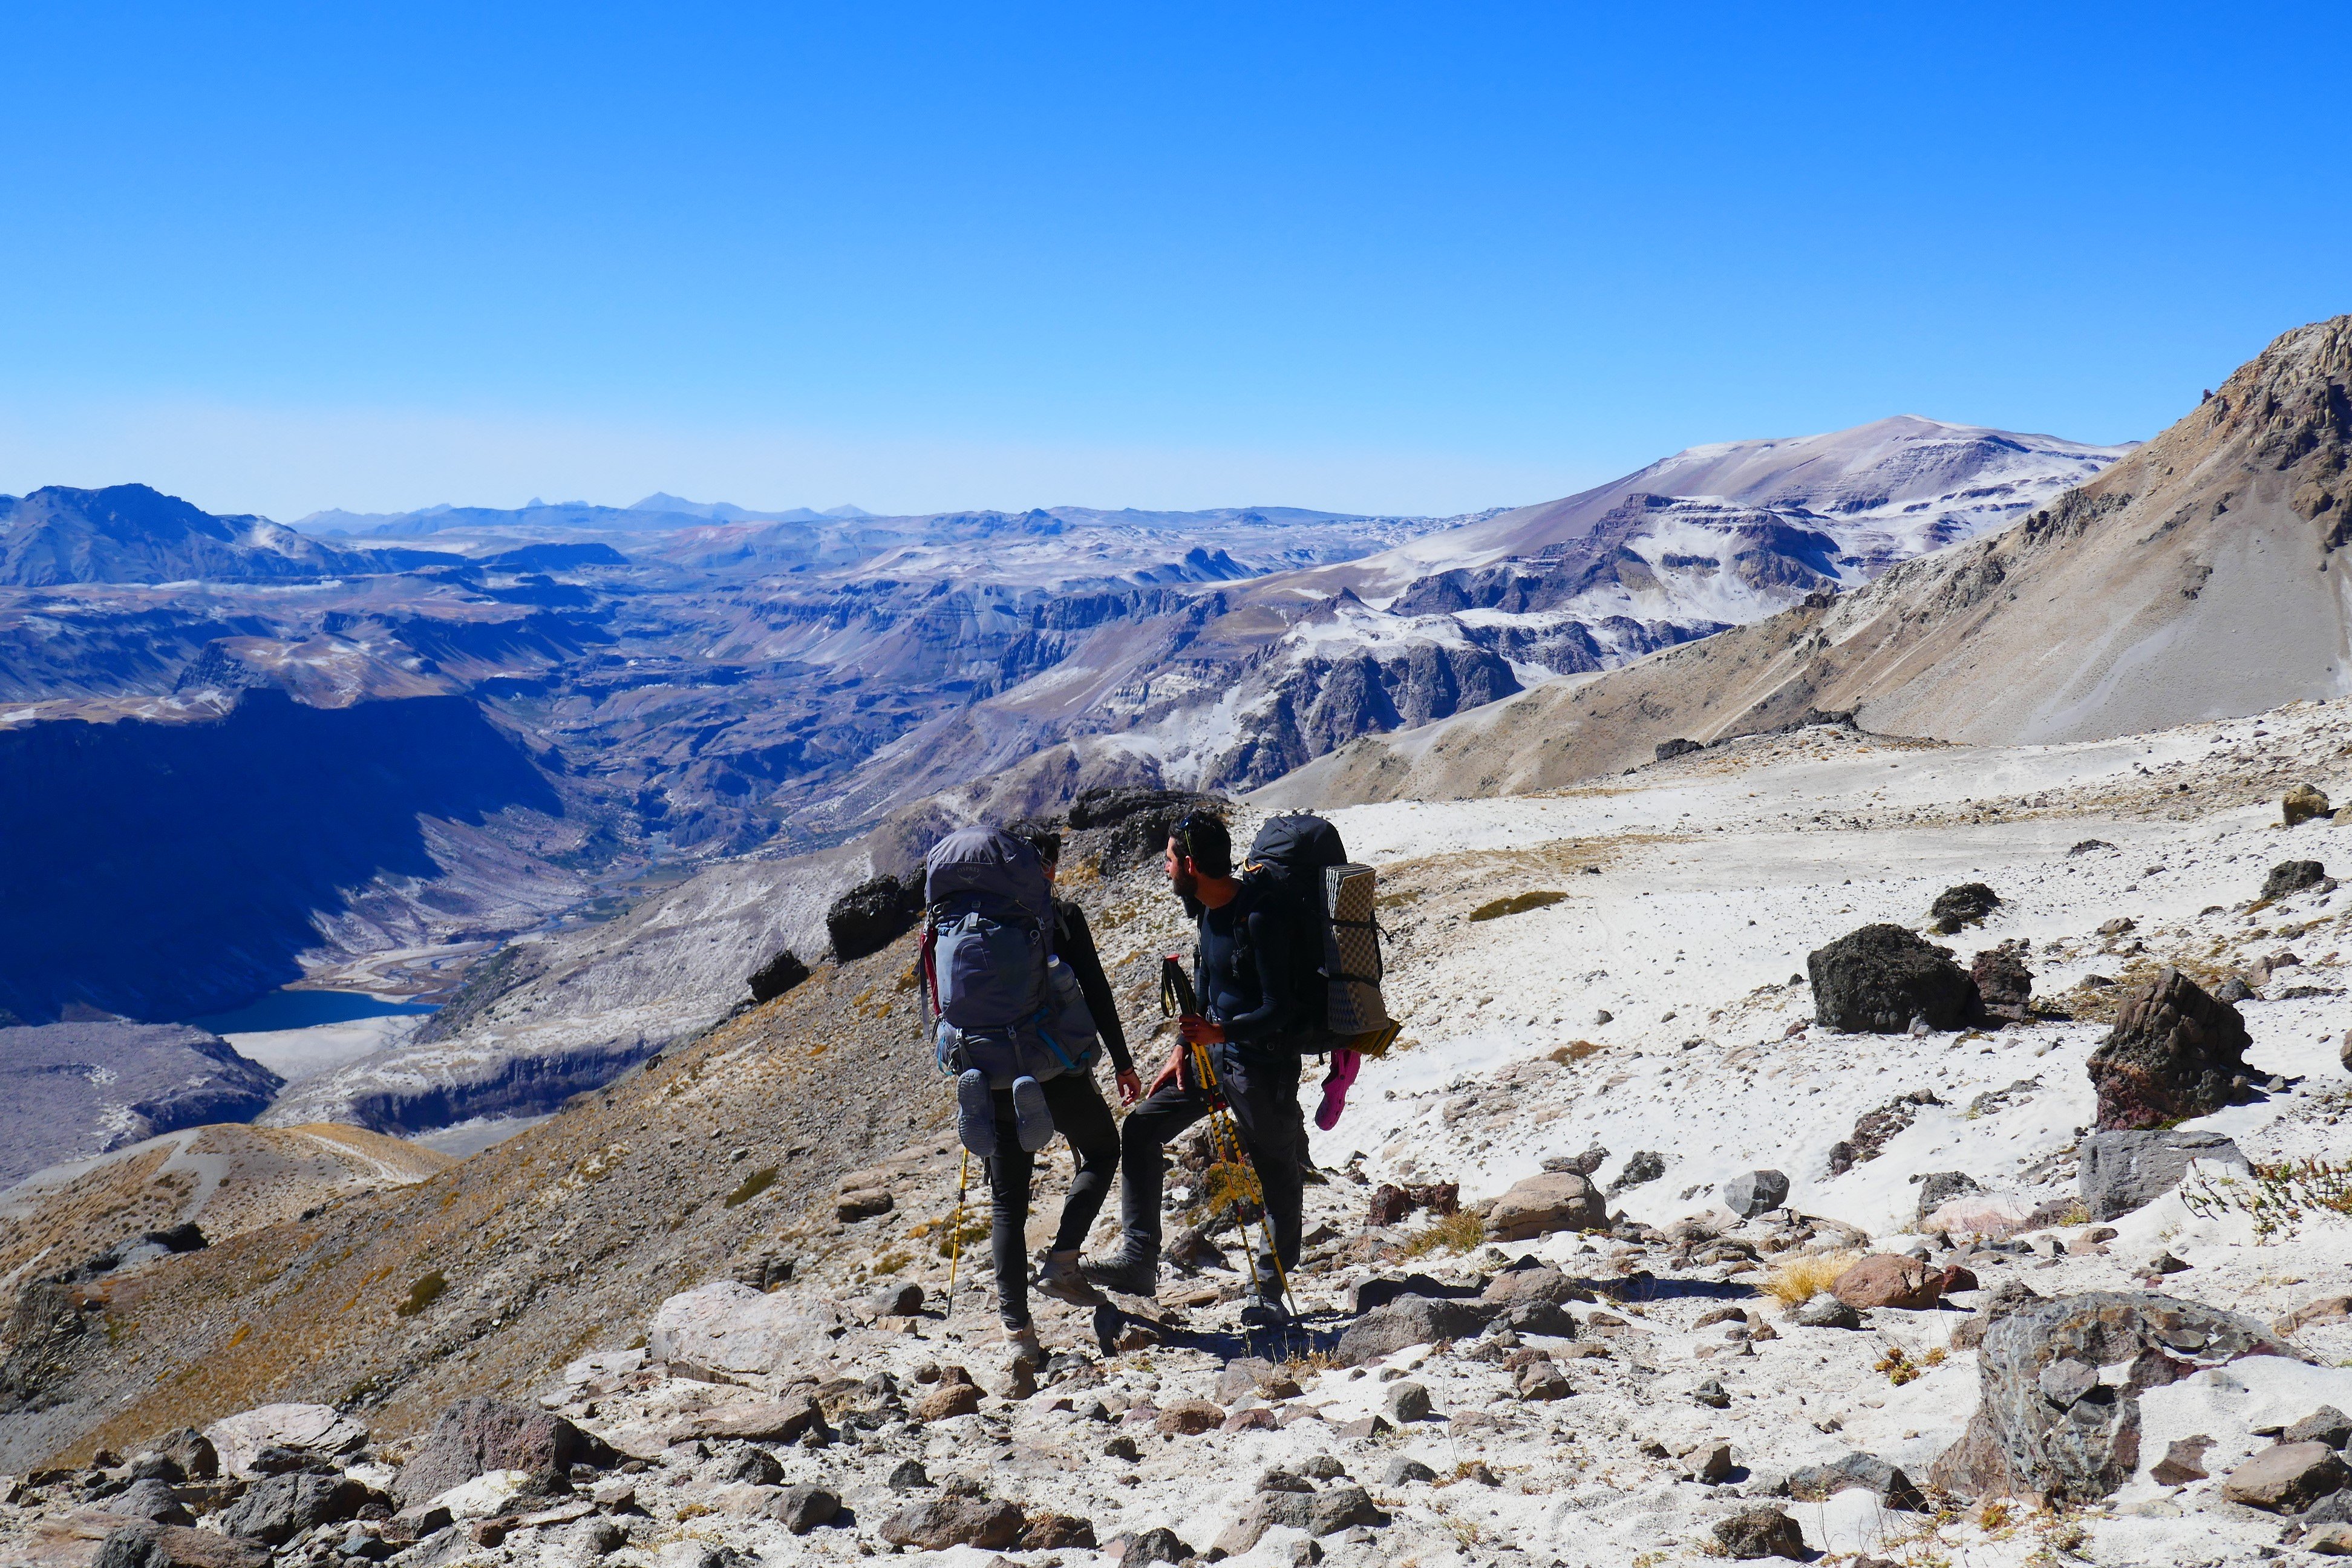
1298 866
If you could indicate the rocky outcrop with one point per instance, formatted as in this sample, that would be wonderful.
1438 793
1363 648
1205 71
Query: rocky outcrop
1752 1192
2058 1414
2289 877
1880 977
2174 1053
776 976
412 1089
71 1090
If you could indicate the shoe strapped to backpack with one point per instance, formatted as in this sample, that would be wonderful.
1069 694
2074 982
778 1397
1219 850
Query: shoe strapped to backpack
975 1113
1032 1123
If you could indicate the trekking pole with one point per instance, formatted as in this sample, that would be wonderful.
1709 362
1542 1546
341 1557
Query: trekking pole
955 1234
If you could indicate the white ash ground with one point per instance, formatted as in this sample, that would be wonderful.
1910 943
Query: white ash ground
1717 874
1807 838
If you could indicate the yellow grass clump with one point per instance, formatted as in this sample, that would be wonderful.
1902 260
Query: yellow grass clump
1800 1280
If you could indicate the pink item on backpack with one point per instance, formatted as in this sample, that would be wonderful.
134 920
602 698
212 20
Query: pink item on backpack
1345 1064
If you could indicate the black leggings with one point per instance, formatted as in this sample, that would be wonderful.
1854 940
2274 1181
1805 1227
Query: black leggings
1080 1115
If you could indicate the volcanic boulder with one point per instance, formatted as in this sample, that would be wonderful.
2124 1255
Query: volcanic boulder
1879 978
2302 803
776 976
2291 877
1966 905
2174 1053
871 915
2072 1435
2004 984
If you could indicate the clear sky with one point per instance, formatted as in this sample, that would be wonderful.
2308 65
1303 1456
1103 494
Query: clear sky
1357 257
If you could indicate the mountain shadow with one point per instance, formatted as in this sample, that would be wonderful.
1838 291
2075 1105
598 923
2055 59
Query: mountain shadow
163 871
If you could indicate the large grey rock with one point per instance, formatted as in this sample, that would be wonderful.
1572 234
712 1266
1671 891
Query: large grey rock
730 1328
479 1435
1555 1200
1752 1192
170 1546
2123 1171
938 1523
2174 1052
71 1090
282 1507
1880 977
1413 1321
1528 1286
1867 1471
2073 1439
316 1430
150 1500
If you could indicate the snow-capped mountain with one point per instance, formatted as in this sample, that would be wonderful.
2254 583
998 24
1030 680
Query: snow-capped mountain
1239 685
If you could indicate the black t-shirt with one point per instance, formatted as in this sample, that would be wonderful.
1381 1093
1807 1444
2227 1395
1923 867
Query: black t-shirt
1242 972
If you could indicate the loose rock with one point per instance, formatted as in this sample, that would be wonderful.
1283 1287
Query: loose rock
1555 1200
479 1435
1761 1533
2289 877
2287 1478
1888 1279
1752 1192
2301 804
938 1523
1966 905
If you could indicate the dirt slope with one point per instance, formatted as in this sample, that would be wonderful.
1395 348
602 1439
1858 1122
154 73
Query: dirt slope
559 1241
2199 577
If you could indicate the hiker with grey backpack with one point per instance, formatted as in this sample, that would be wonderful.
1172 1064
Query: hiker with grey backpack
1013 1026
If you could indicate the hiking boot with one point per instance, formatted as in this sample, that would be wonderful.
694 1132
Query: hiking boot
975 1113
1266 1312
1063 1279
1032 1123
1266 1280
1024 1344
1130 1274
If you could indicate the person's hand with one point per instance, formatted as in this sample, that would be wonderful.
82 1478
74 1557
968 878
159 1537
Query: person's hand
1198 1031
1171 1073
1130 1087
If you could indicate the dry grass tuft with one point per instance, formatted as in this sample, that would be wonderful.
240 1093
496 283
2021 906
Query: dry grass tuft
1455 1233
1800 1280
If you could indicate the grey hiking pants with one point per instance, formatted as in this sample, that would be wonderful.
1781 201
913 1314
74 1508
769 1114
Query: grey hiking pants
1261 1090
1080 1115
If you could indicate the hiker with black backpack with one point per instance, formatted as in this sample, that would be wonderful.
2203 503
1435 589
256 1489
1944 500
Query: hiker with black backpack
1013 1027
1252 1030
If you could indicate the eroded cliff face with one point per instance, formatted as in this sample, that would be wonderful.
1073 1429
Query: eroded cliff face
163 870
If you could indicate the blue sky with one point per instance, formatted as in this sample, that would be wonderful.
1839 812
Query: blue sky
1412 259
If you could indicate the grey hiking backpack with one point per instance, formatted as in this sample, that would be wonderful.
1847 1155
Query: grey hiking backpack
1002 1003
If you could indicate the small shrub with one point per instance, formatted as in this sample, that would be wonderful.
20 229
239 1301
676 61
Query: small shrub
1516 904
1800 1280
2275 1196
1576 1051
1897 1367
891 1262
758 1181
1455 1233
423 1294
